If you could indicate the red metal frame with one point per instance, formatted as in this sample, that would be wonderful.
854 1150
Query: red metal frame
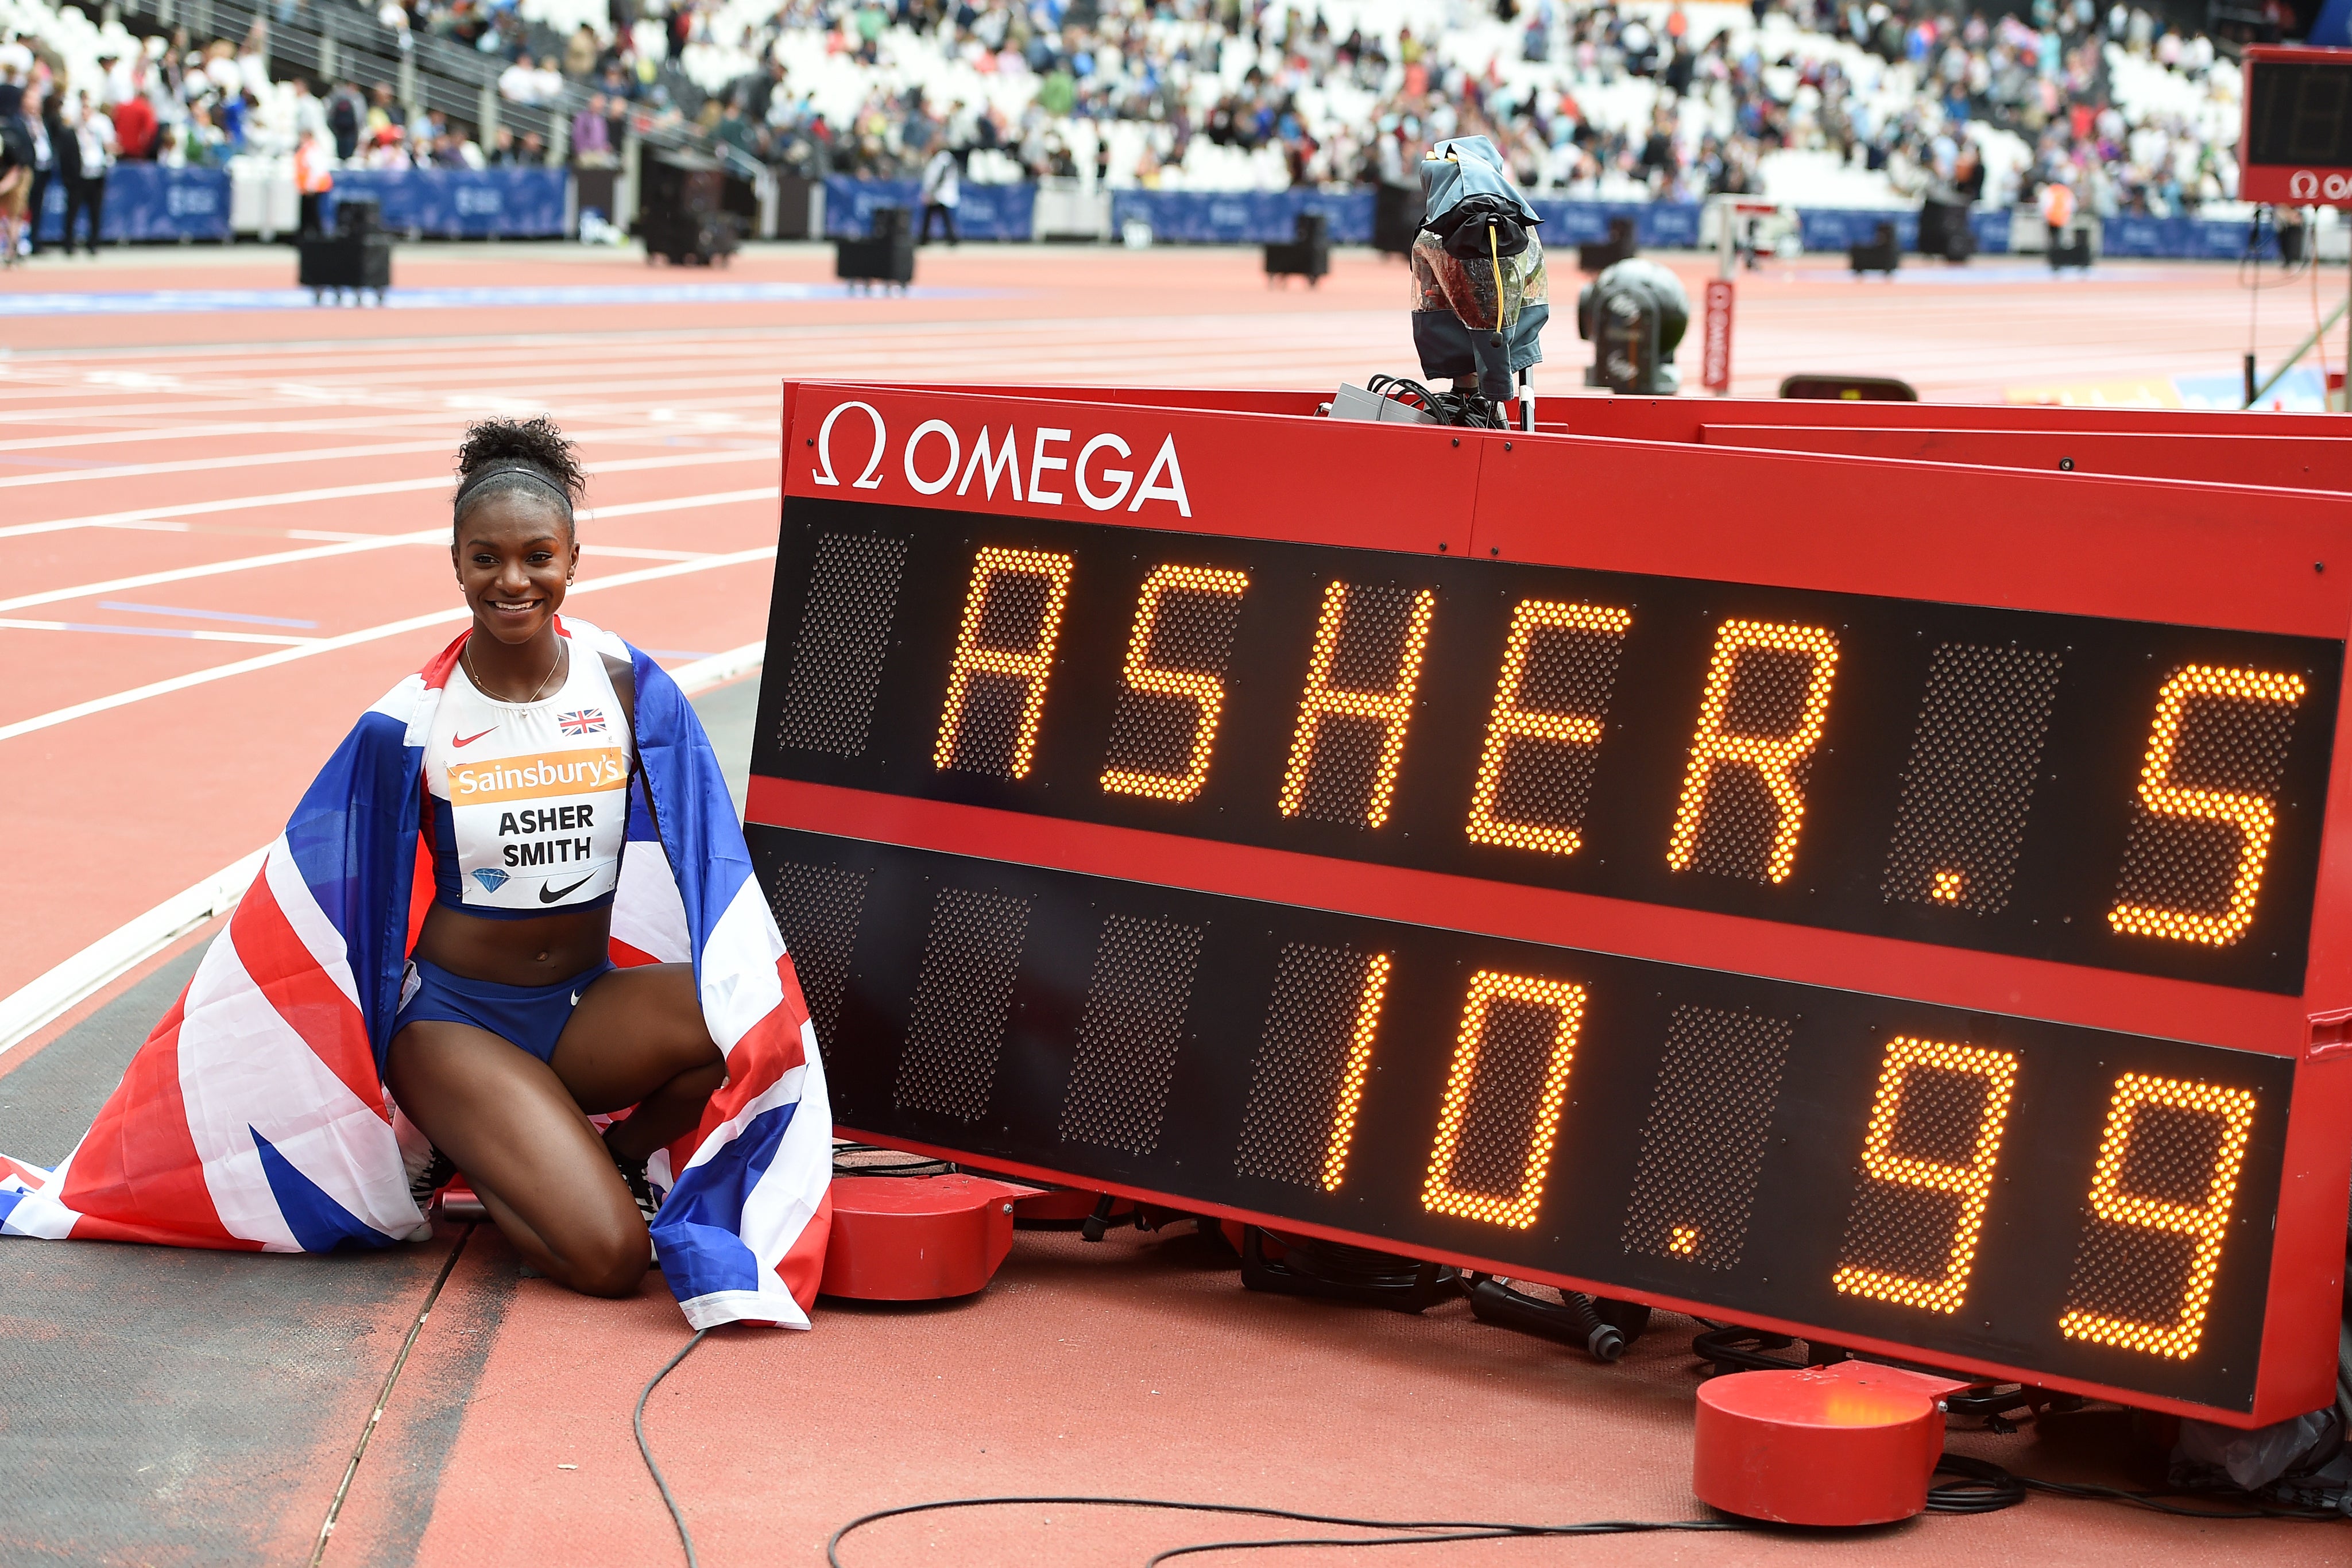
2289 462
2287 183
2196 554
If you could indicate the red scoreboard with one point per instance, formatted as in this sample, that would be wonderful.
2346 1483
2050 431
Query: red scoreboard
1895 904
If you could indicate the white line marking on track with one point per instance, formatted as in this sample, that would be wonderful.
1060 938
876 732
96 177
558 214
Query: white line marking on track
9 625
352 640
147 516
356 544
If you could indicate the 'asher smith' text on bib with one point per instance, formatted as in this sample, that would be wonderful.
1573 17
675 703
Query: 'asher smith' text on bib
529 803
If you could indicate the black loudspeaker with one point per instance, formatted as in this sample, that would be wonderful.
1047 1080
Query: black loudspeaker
1306 255
356 257
886 256
1944 230
682 213
1881 253
1619 246
1396 218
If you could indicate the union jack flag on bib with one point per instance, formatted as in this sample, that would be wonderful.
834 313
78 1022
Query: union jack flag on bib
255 1117
581 721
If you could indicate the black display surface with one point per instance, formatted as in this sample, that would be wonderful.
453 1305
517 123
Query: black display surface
2080 1203
2122 795
2299 112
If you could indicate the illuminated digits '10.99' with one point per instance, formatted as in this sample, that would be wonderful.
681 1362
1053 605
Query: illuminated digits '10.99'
2160 1199
1503 1096
1927 1160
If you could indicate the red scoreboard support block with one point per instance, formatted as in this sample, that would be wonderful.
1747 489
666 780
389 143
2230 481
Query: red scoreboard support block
1905 904
1852 1444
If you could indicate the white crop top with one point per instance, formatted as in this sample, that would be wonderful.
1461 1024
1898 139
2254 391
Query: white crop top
531 800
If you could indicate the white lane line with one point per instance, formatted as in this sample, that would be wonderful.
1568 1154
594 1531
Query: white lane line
364 542
146 516
9 625
220 568
276 459
186 613
34 1006
352 639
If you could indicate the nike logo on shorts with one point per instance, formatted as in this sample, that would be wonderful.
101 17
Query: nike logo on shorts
549 894
469 739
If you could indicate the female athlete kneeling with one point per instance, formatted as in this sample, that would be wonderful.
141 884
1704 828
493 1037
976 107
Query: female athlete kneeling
514 1026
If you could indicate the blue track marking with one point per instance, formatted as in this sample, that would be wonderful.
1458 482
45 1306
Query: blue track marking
205 301
206 614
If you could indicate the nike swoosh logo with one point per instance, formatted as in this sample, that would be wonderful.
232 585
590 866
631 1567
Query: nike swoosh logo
469 739
549 894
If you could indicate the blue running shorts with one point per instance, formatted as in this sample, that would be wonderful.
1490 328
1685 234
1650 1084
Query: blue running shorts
531 1018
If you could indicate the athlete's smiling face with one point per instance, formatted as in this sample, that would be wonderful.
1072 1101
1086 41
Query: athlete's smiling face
515 554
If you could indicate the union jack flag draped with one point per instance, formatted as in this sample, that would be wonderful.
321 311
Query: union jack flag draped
255 1117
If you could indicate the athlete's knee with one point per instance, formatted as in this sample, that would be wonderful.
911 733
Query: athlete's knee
608 1265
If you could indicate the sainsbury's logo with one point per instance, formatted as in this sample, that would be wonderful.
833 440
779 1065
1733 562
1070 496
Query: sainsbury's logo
532 777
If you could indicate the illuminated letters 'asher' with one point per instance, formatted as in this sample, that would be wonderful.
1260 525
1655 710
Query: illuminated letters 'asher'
2149 868
1004 653
1200 689
1768 692
1528 721
1359 683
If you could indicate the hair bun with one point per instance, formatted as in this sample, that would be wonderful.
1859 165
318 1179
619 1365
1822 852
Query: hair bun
533 441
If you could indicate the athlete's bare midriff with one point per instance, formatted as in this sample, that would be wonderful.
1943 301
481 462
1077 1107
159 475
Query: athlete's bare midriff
537 952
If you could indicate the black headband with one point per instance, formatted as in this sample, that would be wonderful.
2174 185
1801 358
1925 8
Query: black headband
520 468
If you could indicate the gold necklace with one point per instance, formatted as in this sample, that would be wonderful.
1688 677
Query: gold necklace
466 658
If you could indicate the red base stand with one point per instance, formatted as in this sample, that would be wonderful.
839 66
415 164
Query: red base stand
917 1238
1851 1444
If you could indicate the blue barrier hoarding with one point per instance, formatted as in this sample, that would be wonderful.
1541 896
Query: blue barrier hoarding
468 203
986 211
1243 217
148 202
1657 225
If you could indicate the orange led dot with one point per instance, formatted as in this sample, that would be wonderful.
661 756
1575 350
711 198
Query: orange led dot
1352 1077
1517 1208
2250 815
1206 692
2206 1223
1948 887
1971 1181
1393 708
1775 757
1030 665
1682 1242
1510 721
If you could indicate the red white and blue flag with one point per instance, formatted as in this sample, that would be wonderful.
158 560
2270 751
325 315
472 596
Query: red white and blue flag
581 721
256 1116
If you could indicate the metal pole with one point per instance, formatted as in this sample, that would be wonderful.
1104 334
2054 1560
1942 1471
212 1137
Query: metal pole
2339 313
625 195
486 116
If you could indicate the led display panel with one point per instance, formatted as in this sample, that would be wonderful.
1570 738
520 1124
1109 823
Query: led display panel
2127 795
1913 934
2085 1202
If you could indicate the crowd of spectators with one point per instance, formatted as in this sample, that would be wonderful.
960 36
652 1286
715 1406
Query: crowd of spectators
1916 97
